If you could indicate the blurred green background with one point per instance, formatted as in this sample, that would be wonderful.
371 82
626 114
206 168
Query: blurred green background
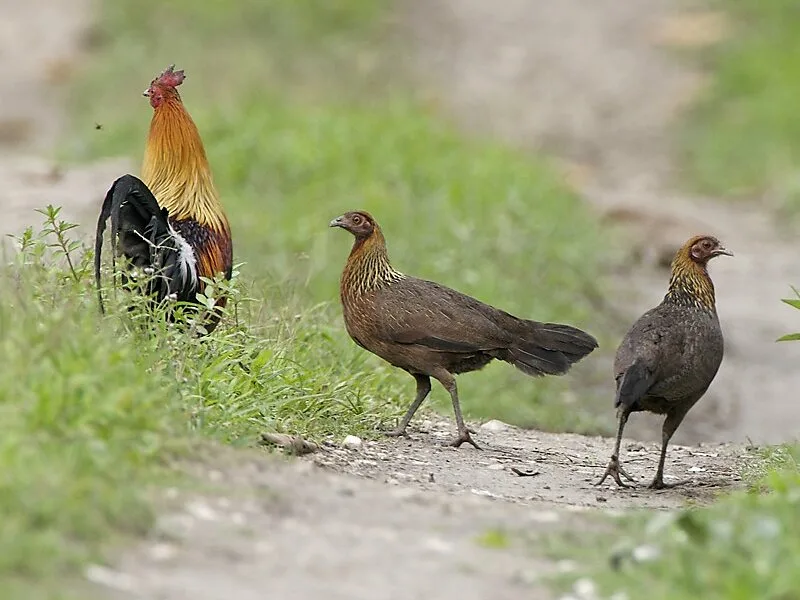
303 119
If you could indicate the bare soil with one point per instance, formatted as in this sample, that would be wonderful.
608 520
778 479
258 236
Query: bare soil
32 92
397 519
592 83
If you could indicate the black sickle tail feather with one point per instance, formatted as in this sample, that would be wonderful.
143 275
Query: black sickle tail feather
141 230
635 383
549 348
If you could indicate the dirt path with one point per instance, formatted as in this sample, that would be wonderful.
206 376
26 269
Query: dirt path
32 117
595 83
397 519
404 518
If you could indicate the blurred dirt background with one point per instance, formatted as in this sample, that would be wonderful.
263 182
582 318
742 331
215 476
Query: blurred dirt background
600 86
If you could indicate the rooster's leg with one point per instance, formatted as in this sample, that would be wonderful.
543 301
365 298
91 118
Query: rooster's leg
423 389
614 469
449 383
670 425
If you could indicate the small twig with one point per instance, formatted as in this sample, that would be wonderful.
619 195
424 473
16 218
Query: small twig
293 444
522 473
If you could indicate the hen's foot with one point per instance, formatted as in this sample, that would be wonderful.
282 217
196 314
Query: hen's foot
658 484
614 470
464 437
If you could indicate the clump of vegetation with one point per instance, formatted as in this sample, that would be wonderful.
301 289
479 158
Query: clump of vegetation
743 139
795 303
96 409
744 546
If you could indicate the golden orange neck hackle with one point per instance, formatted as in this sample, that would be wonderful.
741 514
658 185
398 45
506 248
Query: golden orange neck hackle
690 284
368 267
176 169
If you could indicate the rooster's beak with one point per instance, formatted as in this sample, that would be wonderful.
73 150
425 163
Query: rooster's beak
337 222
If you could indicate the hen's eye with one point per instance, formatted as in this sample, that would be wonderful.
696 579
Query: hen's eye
356 220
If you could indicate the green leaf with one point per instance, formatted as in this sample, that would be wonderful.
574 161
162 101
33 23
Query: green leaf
792 302
790 337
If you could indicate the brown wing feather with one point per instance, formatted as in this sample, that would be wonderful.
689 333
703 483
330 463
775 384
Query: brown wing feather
416 311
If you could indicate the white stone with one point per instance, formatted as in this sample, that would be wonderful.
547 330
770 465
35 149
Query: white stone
352 442
495 425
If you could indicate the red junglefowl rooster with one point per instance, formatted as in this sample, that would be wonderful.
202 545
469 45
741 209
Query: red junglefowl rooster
170 223
670 356
430 330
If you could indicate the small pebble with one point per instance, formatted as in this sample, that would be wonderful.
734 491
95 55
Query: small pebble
544 516
585 588
352 442
201 511
109 578
161 552
645 553
566 566
495 425
438 545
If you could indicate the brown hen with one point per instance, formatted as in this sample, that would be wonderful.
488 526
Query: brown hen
670 356
430 330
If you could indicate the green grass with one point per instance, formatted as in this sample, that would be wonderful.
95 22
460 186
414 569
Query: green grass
84 418
96 411
300 125
746 546
743 138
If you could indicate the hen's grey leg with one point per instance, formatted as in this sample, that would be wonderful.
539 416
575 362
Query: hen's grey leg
614 470
423 389
449 383
671 423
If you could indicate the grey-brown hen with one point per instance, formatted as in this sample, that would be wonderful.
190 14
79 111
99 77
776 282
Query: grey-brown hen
430 330
670 356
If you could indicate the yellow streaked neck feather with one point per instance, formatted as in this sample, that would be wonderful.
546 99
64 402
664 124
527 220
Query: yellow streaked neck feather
368 267
176 169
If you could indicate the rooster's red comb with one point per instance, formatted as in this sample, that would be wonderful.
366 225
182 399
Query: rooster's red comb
170 77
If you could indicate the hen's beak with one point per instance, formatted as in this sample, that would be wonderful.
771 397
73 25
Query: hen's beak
723 250
337 222
146 93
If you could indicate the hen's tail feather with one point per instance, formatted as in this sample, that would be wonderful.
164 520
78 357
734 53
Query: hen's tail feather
549 348
142 230
635 383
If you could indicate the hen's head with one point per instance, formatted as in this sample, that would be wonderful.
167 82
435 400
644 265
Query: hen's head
359 223
164 86
702 248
